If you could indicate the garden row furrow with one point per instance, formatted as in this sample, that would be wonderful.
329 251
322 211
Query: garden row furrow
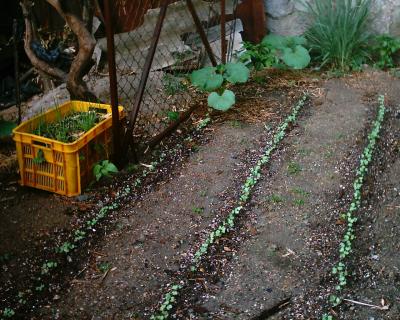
77 237
228 224
341 270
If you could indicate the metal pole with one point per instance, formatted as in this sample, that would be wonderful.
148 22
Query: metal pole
16 68
223 32
112 71
128 138
201 32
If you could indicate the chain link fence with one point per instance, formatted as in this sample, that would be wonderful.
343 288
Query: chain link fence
180 50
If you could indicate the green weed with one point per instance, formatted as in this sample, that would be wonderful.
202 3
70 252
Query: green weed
275 198
294 168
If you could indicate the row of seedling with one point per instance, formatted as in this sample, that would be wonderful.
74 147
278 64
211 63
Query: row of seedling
340 270
229 223
80 234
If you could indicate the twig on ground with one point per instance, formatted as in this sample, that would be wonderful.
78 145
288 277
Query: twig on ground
383 307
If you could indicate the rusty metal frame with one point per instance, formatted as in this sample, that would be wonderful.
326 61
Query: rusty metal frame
16 70
112 71
127 140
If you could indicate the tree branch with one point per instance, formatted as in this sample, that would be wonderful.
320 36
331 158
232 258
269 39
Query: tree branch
36 62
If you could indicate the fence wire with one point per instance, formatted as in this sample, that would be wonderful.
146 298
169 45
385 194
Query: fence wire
179 52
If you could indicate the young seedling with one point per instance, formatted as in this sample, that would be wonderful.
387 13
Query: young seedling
198 210
275 198
294 168
299 202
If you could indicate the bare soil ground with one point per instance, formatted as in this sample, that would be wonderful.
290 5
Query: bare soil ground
276 264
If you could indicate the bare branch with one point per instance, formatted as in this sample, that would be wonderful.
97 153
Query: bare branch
36 62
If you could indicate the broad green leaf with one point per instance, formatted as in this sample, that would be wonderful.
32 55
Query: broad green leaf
6 128
111 168
173 115
206 79
298 58
275 41
236 72
298 40
223 102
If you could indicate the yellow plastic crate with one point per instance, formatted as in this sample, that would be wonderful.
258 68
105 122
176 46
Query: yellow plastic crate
68 167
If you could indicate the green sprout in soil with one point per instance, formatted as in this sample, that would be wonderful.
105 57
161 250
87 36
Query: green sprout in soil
47 266
104 266
80 234
275 198
301 192
299 202
104 169
167 304
294 168
198 210
340 270
246 190
8 313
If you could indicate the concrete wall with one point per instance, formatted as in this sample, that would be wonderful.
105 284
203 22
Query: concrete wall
289 17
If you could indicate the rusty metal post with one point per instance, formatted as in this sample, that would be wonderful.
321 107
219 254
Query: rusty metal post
223 32
128 137
201 32
252 15
16 69
112 71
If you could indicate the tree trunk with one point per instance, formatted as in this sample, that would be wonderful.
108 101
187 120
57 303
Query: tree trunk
82 61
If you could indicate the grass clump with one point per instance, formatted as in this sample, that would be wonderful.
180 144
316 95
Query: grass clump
338 37
69 128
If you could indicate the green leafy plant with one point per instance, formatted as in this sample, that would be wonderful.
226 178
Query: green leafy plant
198 210
300 191
259 56
167 304
8 313
338 37
104 266
173 115
277 51
299 202
215 79
86 120
47 266
66 247
275 198
39 159
104 169
290 50
383 49
79 235
294 168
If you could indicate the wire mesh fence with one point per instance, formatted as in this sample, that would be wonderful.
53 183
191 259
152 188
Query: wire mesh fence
180 50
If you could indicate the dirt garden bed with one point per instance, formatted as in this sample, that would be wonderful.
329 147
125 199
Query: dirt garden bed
276 262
